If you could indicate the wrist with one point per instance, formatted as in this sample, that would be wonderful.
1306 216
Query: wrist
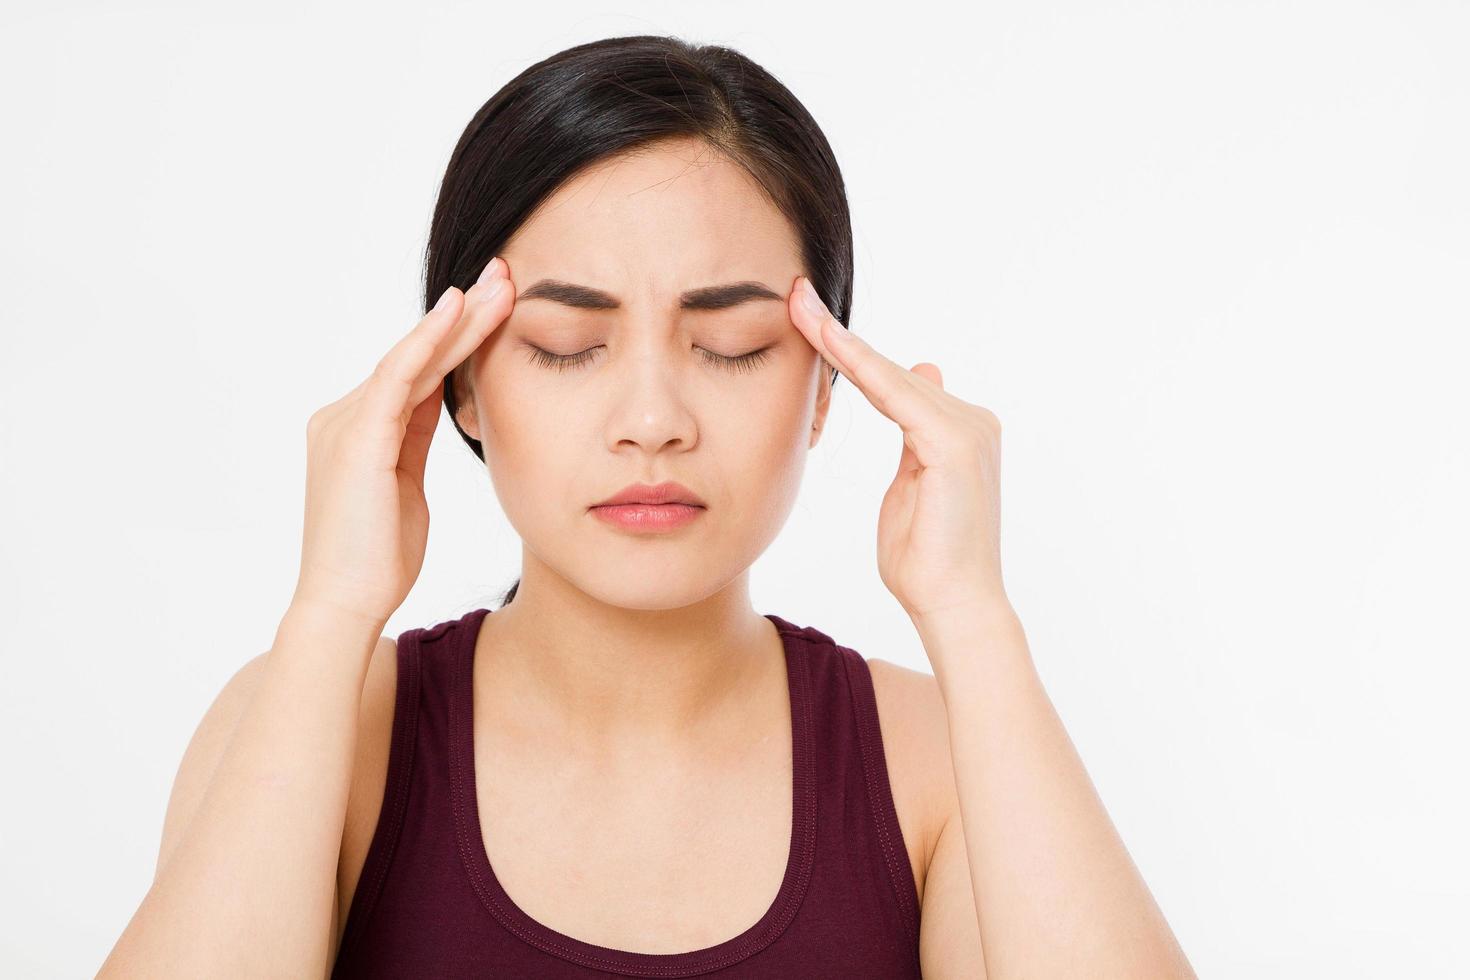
314 617
983 612
968 644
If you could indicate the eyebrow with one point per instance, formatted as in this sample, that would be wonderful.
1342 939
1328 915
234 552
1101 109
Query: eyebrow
720 297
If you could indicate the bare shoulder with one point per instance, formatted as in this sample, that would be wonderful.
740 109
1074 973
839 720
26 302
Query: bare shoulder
915 728
369 770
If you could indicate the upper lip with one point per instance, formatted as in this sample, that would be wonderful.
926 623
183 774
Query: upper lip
663 493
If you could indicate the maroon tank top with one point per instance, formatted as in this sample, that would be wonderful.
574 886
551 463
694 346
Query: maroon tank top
428 903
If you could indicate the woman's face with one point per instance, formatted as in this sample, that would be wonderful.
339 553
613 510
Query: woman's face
648 394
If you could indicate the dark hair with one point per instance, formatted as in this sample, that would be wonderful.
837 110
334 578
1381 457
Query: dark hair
595 100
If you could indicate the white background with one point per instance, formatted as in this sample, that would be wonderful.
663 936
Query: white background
1209 263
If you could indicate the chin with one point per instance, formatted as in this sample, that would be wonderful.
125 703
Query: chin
650 584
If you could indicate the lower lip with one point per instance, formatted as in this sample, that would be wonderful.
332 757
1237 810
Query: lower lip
648 517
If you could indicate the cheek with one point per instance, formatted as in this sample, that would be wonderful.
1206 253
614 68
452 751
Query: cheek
791 401
762 446
517 408
526 443
769 422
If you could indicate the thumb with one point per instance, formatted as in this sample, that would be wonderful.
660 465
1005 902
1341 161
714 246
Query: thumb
907 461
413 456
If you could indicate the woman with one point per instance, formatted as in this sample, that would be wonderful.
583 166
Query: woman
625 770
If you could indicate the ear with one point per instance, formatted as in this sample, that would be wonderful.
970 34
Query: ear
824 402
464 400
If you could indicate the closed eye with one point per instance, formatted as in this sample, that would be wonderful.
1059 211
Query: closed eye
563 362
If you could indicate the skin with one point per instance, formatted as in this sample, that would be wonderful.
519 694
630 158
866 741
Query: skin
653 638
668 720
631 695
634 636
629 655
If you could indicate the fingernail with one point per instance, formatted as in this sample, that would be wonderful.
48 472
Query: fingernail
810 299
492 269
443 300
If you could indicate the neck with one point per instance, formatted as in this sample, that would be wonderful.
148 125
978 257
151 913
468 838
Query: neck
563 662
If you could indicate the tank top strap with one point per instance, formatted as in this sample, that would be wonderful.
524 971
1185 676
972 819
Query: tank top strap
417 764
846 713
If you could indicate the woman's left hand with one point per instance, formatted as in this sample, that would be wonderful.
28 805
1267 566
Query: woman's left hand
939 526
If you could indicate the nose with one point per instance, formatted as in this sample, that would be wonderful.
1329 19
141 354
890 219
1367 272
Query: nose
650 408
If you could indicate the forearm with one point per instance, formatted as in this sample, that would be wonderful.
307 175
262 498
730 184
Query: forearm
249 889
1056 892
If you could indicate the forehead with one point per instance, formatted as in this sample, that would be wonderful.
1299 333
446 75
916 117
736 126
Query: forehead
662 217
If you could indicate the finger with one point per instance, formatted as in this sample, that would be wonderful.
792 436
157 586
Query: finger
929 372
386 391
891 389
808 324
418 434
404 377
485 311
414 455
908 460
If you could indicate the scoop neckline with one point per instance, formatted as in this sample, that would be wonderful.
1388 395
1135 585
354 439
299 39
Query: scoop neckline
764 931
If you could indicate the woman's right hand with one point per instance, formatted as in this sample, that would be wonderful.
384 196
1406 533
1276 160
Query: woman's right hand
367 521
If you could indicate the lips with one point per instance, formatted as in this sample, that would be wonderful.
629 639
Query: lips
641 518
668 492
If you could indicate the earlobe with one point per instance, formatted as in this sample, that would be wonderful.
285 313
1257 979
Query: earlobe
819 420
465 416
464 407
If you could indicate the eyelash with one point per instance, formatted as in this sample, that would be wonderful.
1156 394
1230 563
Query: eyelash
563 362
